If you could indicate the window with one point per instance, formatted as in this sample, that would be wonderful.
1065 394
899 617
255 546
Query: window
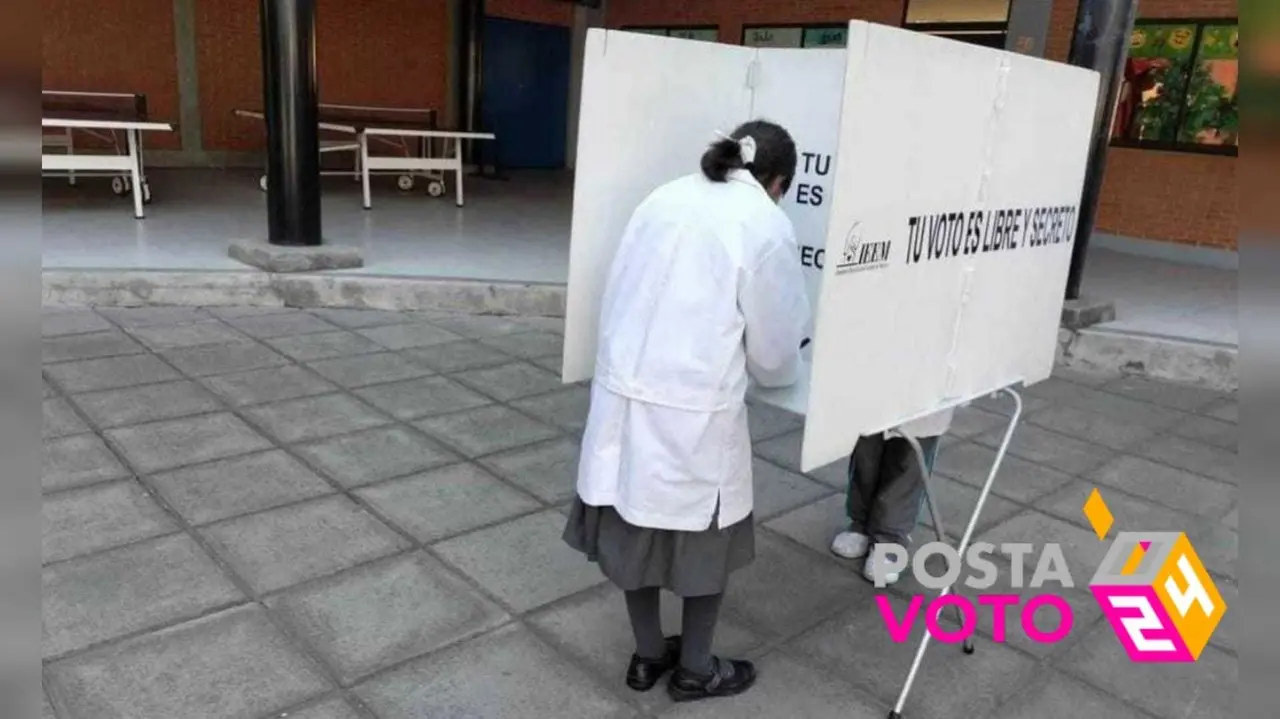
707 33
1179 87
795 36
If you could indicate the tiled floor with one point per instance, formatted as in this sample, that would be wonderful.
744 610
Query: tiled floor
341 514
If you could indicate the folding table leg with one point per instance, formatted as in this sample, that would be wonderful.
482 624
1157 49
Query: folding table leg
71 150
896 712
135 172
457 155
362 158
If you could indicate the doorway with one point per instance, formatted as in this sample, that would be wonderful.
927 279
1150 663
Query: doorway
525 91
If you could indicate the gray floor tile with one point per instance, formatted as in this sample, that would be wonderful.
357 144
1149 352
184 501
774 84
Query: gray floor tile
132 317
956 501
554 364
1232 520
1227 635
788 588
60 420
1218 547
536 683
108 343
100 517
177 442
66 322
281 325
1191 455
362 318
374 455
766 421
972 421
778 491
566 409
236 311
46 709
268 385
1017 479
1165 485
195 334
1001 404
363 370
1056 696
549 470
1082 377
1205 689
1210 430
528 345
107 595
856 645
323 345
479 326
230 487
815 524
225 666
109 373
1166 394
788 688
223 359
405 336
148 403
1227 410
422 397
485 430
1122 408
457 356
299 420
542 324
282 547
1132 514
522 562
784 451
510 381
447 501
77 461
1050 449
48 391
1100 429
385 613
335 708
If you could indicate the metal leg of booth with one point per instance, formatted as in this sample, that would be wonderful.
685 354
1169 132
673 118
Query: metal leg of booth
896 712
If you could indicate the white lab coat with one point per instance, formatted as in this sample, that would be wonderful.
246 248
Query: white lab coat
705 289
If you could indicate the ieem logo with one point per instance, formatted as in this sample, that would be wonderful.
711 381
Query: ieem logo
1151 586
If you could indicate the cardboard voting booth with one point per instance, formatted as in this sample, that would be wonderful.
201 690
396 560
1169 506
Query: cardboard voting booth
935 205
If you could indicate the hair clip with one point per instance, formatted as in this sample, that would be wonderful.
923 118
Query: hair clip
746 146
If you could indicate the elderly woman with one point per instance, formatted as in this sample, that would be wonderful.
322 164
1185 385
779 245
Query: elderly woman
705 291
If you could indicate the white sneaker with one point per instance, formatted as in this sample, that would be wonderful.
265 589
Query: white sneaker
850 545
869 569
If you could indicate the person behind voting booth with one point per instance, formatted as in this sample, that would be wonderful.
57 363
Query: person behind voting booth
705 291
886 490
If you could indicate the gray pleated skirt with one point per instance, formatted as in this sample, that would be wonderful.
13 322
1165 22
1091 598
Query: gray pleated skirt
690 564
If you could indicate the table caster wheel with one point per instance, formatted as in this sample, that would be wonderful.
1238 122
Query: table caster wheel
435 188
120 186
968 646
405 183
894 715
146 192
262 182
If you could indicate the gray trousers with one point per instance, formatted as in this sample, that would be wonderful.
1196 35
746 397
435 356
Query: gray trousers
886 487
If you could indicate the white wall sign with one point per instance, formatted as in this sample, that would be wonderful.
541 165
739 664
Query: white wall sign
946 216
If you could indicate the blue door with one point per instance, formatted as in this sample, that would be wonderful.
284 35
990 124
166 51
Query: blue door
525 92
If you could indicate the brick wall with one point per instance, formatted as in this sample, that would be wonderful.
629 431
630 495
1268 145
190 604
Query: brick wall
548 12
114 46
376 52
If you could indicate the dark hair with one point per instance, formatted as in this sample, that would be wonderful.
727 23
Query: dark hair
775 154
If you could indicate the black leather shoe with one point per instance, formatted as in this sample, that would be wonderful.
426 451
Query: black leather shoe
727 678
643 674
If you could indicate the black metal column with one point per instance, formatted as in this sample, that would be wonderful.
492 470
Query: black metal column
1101 43
290 105
469 39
